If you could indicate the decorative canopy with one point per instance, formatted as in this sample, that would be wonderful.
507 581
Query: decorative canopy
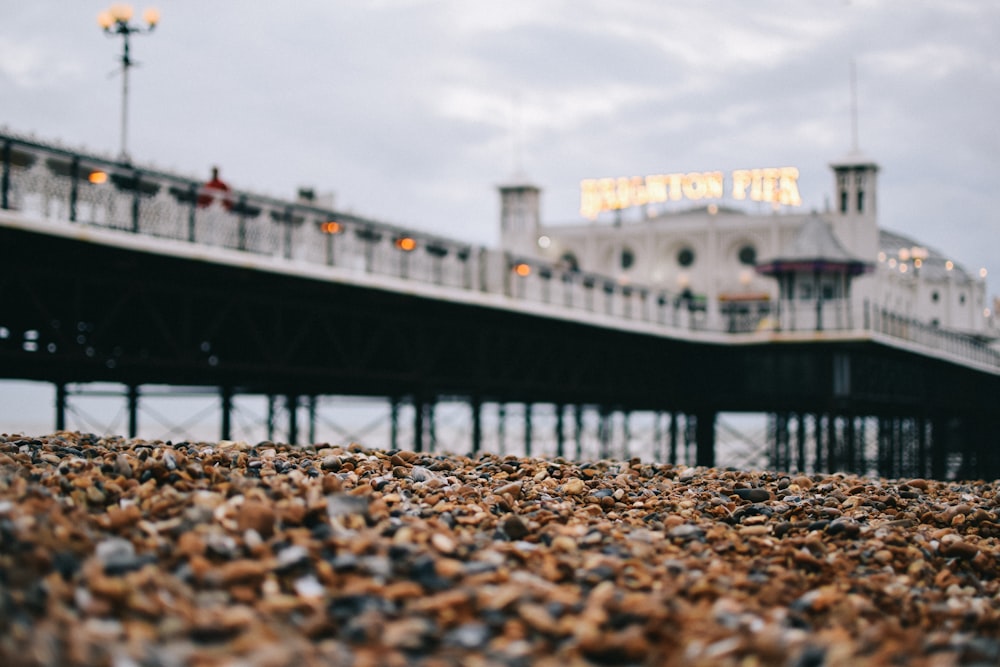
815 249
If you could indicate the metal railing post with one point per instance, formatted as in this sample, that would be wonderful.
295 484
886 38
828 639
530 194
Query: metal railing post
74 186
136 194
192 212
5 179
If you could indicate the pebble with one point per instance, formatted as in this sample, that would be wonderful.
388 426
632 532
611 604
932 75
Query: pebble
753 495
514 527
257 515
245 557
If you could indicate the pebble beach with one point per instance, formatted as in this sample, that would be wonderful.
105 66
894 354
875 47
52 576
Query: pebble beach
137 553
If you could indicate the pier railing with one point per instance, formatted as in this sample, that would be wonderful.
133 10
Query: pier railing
64 185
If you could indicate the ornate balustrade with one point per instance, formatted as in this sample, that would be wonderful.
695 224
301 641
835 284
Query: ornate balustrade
62 185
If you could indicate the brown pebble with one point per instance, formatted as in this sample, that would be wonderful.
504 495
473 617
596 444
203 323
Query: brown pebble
802 482
443 543
753 495
959 549
513 489
258 516
122 517
211 553
241 572
514 527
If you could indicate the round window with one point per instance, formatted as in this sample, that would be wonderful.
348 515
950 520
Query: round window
627 258
748 255
685 257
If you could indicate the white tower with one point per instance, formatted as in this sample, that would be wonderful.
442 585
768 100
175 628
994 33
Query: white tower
520 216
856 210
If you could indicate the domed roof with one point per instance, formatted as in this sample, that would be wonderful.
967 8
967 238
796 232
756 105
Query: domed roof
815 249
934 264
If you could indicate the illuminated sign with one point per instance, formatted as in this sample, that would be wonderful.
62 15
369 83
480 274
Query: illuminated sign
778 185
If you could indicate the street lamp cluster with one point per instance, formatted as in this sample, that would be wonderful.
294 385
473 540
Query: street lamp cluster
116 21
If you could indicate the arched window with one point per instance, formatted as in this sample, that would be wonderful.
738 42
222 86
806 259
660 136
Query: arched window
569 260
627 259
747 255
685 256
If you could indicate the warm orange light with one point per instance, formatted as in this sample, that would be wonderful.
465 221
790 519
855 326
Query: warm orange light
406 243
522 270
105 19
122 12
151 16
98 177
331 227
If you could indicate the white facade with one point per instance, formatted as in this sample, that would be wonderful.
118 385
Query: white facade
709 253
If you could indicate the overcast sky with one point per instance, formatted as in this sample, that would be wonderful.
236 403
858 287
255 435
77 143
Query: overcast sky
412 111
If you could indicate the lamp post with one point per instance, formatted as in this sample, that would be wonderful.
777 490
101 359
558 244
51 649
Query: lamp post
115 21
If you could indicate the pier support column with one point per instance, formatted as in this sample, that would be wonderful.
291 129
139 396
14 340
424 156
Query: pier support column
418 424
986 442
705 438
905 441
226 398
802 423
394 423
673 438
271 410
939 447
560 431
818 434
850 448
690 438
292 405
431 420
501 429
312 419
61 406
604 433
834 455
527 429
780 441
578 431
922 456
658 437
133 410
476 405
626 435
883 450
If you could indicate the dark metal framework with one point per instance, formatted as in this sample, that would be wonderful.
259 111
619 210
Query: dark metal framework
74 311
78 311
